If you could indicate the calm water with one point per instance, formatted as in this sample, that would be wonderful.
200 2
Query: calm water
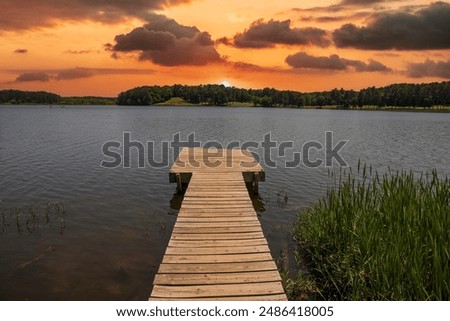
109 241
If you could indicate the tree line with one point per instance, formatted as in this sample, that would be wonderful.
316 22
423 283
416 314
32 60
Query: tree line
397 95
11 96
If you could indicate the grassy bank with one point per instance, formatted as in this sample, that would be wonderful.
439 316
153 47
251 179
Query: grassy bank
379 238
175 101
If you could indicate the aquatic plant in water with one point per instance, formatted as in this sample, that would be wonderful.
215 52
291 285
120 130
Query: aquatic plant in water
379 237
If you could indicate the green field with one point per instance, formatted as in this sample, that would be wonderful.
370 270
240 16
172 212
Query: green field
175 101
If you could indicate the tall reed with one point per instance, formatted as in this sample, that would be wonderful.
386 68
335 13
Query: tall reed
378 237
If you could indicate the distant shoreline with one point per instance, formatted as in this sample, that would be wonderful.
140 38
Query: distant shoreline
427 97
434 109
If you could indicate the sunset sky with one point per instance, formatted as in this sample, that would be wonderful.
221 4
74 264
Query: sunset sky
86 47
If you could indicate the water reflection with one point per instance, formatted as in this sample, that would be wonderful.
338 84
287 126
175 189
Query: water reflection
176 201
270 199
109 243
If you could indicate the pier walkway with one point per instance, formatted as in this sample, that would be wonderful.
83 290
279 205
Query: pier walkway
217 250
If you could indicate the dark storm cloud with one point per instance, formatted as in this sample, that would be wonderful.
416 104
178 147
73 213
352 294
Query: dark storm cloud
428 28
165 42
33 76
302 60
27 14
263 34
21 51
429 68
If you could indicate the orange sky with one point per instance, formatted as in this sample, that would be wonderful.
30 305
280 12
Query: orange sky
81 48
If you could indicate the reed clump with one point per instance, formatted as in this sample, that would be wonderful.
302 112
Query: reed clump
30 216
379 237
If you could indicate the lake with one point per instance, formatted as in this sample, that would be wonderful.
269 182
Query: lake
73 230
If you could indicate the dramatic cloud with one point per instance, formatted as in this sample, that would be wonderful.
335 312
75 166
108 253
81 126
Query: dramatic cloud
246 67
74 74
165 42
77 52
345 6
21 51
426 29
302 60
33 76
263 34
26 14
335 18
360 2
429 68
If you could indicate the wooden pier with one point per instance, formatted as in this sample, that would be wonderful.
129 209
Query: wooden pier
217 250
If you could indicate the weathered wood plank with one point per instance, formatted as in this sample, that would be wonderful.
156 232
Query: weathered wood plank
217 219
210 209
230 200
217 224
217 267
218 258
209 291
226 236
218 214
216 243
206 192
220 206
217 278
274 297
186 250
216 230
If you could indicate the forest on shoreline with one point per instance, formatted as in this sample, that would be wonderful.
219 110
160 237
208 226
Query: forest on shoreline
396 95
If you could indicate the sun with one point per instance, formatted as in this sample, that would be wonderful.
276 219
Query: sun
226 83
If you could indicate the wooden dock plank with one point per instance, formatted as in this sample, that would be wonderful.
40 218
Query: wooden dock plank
217 219
225 236
218 215
217 267
273 297
217 250
217 278
216 230
223 207
221 290
192 244
185 250
217 202
199 193
210 210
220 258
217 224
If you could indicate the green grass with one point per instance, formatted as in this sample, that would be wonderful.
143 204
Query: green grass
86 101
379 237
238 104
175 101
